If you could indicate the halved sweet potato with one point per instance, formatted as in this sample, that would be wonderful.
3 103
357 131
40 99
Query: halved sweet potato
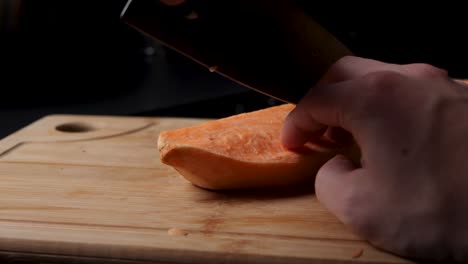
243 151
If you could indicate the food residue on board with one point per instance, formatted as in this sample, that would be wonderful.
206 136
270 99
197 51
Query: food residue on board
358 253
177 232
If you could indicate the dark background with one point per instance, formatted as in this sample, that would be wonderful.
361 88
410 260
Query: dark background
78 57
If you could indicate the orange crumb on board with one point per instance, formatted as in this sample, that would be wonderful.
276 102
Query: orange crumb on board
177 232
358 253
213 68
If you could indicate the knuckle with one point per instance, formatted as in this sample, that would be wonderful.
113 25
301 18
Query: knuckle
427 70
336 68
381 80
345 60
379 87
343 64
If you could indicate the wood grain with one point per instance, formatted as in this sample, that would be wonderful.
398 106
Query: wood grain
103 194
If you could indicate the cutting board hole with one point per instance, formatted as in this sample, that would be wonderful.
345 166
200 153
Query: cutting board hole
74 128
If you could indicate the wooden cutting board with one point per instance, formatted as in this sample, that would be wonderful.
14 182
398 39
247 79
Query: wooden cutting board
92 189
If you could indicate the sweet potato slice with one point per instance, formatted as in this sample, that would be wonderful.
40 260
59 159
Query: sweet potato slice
243 152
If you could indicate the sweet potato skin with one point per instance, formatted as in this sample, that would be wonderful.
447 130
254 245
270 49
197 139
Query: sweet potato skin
243 152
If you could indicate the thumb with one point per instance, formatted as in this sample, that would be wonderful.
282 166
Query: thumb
336 184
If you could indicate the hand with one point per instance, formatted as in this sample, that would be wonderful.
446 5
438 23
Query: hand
409 195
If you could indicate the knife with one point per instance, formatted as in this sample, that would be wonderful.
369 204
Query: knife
270 46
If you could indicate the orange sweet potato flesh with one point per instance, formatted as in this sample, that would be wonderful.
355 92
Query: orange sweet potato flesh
244 151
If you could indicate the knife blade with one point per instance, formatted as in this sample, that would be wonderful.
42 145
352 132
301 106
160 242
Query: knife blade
270 46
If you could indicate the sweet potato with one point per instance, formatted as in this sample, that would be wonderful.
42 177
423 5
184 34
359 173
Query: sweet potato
243 152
